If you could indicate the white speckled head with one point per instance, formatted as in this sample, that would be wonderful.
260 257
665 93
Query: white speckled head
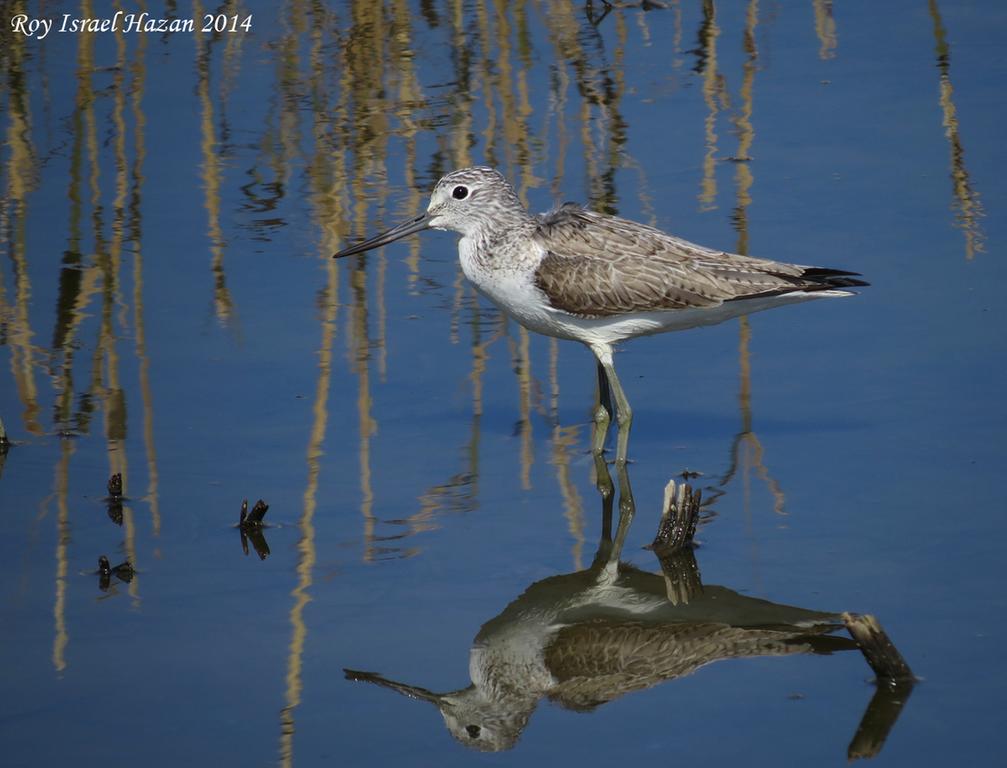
473 199
468 201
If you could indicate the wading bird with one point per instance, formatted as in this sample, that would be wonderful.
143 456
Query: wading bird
576 274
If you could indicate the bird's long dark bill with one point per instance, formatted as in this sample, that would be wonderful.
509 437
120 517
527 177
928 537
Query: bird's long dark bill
405 228
412 691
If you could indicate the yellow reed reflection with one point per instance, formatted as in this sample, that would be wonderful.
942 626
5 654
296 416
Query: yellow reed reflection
825 28
61 635
21 174
138 76
223 303
565 444
330 217
746 450
966 206
715 96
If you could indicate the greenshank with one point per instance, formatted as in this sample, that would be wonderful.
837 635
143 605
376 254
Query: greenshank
576 274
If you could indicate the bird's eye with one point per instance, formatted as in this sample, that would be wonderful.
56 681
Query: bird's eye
460 192
473 730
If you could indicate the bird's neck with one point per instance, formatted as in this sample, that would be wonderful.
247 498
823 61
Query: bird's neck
491 252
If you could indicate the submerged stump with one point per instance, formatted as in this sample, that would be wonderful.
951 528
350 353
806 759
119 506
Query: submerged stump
678 518
114 498
124 572
895 682
673 542
251 527
880 652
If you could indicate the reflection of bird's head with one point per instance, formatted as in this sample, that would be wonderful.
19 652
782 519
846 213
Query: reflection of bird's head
484 724
478 722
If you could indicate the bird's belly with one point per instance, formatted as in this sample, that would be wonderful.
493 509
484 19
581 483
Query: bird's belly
517 296
527 306
533 313
611 330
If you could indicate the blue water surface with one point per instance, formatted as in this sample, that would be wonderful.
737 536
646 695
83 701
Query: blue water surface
169 311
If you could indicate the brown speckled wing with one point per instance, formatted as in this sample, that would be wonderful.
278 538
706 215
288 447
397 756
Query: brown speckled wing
599 266
598 661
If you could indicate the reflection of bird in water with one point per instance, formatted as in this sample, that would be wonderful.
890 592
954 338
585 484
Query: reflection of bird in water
586 638
582 641
576 274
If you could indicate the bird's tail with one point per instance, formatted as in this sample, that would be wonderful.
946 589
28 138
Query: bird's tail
824 279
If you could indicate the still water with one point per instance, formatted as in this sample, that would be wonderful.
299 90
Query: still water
169 312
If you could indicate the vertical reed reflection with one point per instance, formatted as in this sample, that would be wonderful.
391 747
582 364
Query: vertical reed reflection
21 174
324 169
61 483
966 206
368 426
460 493
565 442
114 396
364 59
76 282
579 46
138 72
212 166
715 96
307 556
825 28
746 450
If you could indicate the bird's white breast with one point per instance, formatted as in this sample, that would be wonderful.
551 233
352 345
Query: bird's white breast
510 284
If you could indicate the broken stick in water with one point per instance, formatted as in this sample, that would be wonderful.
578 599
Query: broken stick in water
878 649
251 527
673 542
678 518
115 485
879 719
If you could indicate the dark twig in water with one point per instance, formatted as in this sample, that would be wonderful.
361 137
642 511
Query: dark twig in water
254 518
4 445
251 527
115 509
115 485
114 498
124 571
258 512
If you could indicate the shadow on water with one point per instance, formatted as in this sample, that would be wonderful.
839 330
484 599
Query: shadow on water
581 640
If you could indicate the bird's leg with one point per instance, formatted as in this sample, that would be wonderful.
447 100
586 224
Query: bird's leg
602 413
603 480
627 509
610 552
623 413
